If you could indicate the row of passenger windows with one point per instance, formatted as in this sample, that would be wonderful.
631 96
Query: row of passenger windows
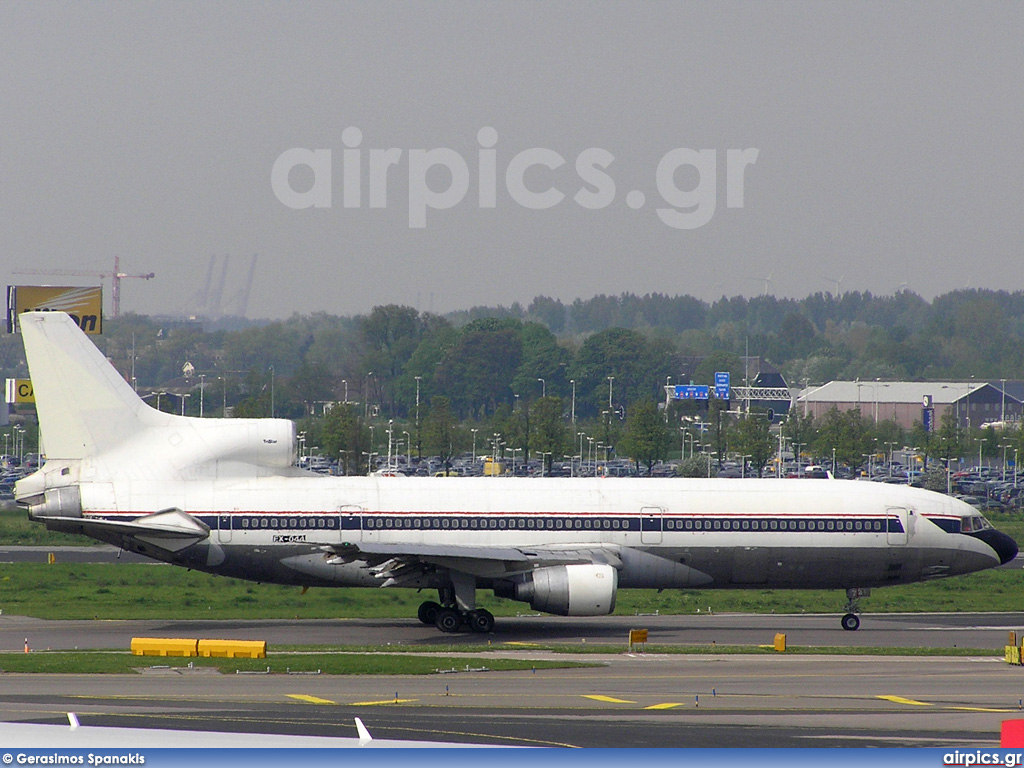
299 522
502 523
289 522
775 525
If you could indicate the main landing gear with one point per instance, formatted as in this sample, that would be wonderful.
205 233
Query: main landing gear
850 620
457 609
451 619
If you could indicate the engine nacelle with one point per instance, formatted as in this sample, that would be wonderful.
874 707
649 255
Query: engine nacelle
567 590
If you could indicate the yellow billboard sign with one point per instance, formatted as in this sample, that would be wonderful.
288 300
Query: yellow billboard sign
85 305
20 391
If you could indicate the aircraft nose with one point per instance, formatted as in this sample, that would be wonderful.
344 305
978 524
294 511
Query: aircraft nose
1004 546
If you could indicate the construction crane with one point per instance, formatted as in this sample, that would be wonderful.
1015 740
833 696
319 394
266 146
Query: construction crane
115 279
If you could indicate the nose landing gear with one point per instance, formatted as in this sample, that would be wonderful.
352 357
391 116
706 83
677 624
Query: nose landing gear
851 621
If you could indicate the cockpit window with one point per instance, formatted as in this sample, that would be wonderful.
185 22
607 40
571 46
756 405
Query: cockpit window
973 524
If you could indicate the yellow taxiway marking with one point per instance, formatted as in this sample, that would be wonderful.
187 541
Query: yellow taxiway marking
901 700
380 703
310 699
666 705
607 699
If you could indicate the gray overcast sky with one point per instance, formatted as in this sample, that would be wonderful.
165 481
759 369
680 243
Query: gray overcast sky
888 138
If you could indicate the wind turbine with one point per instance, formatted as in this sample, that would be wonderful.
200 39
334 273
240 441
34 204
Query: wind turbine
767 282
838 292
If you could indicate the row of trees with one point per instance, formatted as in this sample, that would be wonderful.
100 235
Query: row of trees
484 357
506 370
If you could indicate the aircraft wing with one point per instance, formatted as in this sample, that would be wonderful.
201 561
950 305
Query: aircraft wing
390 561
170 529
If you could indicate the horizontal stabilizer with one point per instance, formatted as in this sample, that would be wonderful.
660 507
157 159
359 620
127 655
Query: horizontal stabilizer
170 529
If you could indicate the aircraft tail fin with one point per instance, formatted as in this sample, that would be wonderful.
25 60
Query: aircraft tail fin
83 403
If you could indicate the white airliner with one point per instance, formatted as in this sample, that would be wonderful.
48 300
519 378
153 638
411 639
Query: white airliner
224 496
77 736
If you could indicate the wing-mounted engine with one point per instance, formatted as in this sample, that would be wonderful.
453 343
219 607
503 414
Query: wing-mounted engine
565 590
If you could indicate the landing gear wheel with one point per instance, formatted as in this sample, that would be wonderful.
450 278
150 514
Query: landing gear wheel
448 620
481 621
851 622
428 612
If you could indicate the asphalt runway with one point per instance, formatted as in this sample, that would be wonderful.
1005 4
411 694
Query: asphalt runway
630 700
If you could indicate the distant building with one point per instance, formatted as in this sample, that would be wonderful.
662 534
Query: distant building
971 403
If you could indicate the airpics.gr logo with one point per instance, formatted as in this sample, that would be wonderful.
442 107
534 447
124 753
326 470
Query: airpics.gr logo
530 178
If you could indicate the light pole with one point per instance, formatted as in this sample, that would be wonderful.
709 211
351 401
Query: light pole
572 410
408 450
158 394
981 444
610 380
1002 405
543 387
345 382
970 386
1005 446
187 394
796 455
474 430
202 386
876 386
271 391
391 424
370 452
366 396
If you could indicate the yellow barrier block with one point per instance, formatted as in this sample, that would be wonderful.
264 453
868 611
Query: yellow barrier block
234 649
1013 638
780 642
1012 654
164 646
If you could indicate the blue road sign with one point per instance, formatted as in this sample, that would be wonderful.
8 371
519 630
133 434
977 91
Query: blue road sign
722 393
692 392
722 378
928 419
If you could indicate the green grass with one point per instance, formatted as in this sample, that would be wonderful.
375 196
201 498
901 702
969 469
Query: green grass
372 661
123 662
142 591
